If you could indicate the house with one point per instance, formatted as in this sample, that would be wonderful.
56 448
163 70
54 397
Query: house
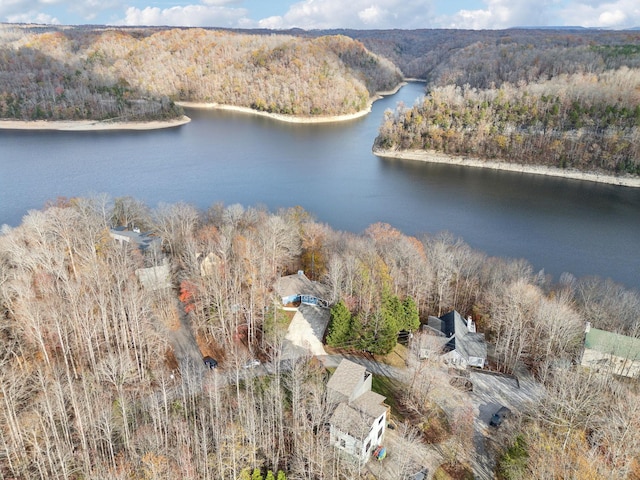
144 241
298 289
155 278
359 420
465 347
611 352
157 274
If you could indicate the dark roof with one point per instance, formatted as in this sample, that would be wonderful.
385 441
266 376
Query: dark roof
467 344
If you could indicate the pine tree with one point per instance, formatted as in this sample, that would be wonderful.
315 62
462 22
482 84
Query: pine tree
270 476
411 319
256 475
341 325
281 475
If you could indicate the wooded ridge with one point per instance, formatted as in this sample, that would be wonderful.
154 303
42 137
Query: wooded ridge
585 122
565 98
132 74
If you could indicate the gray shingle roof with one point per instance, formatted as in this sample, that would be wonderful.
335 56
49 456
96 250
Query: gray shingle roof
346 379
298 284
371 404
349 420
466 343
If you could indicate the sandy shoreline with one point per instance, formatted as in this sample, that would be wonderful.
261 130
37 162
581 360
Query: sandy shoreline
437 157
95 125
292 118
90 125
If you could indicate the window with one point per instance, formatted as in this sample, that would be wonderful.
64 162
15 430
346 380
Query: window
368 446
380 432
381 419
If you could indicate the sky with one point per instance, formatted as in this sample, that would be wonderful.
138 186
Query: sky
323 14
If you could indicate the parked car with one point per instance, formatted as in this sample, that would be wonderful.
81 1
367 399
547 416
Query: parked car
499 416
252 363
210 362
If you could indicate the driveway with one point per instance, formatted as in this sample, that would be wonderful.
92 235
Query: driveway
304 335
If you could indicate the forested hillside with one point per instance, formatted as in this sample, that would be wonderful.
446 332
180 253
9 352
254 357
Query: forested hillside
94 382
588 122
129 74
552 98
486 58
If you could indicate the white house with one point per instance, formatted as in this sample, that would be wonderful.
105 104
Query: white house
465 346
359 421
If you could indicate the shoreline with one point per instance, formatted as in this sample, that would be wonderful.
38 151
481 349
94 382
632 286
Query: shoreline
437 157
90 125
103 125
291 118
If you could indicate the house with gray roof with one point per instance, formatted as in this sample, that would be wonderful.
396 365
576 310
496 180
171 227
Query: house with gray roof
359 420
611 352
143 240
465 346
298 289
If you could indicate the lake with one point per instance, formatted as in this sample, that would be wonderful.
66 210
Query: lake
557 224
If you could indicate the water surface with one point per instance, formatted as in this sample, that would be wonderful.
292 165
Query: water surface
559 225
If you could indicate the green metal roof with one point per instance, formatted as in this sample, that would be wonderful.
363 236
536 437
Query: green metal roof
613 343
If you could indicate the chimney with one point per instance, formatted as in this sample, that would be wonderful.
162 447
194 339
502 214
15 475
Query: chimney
471 326
587 327
300 273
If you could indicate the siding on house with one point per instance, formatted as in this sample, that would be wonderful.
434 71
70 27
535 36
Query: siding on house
359 421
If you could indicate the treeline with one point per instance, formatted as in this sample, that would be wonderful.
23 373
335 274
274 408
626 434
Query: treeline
93 383
127 74
588 122
484 58
377 335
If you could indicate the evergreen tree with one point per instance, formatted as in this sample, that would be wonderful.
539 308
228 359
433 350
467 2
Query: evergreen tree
378 334
341 326
256 475
281 475
411 319
270 476
244 474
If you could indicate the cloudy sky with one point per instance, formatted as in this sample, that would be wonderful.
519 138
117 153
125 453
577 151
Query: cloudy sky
310 14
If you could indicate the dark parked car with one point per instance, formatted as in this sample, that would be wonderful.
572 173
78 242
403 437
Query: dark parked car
499 416
210 362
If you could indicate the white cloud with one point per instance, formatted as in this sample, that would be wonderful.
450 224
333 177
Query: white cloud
319 14
33 17
500 14
188 16
616 14
372 15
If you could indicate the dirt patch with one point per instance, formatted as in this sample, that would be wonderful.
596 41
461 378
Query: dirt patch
396 358
453 471
434 424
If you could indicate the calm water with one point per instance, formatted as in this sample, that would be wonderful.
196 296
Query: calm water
558 225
